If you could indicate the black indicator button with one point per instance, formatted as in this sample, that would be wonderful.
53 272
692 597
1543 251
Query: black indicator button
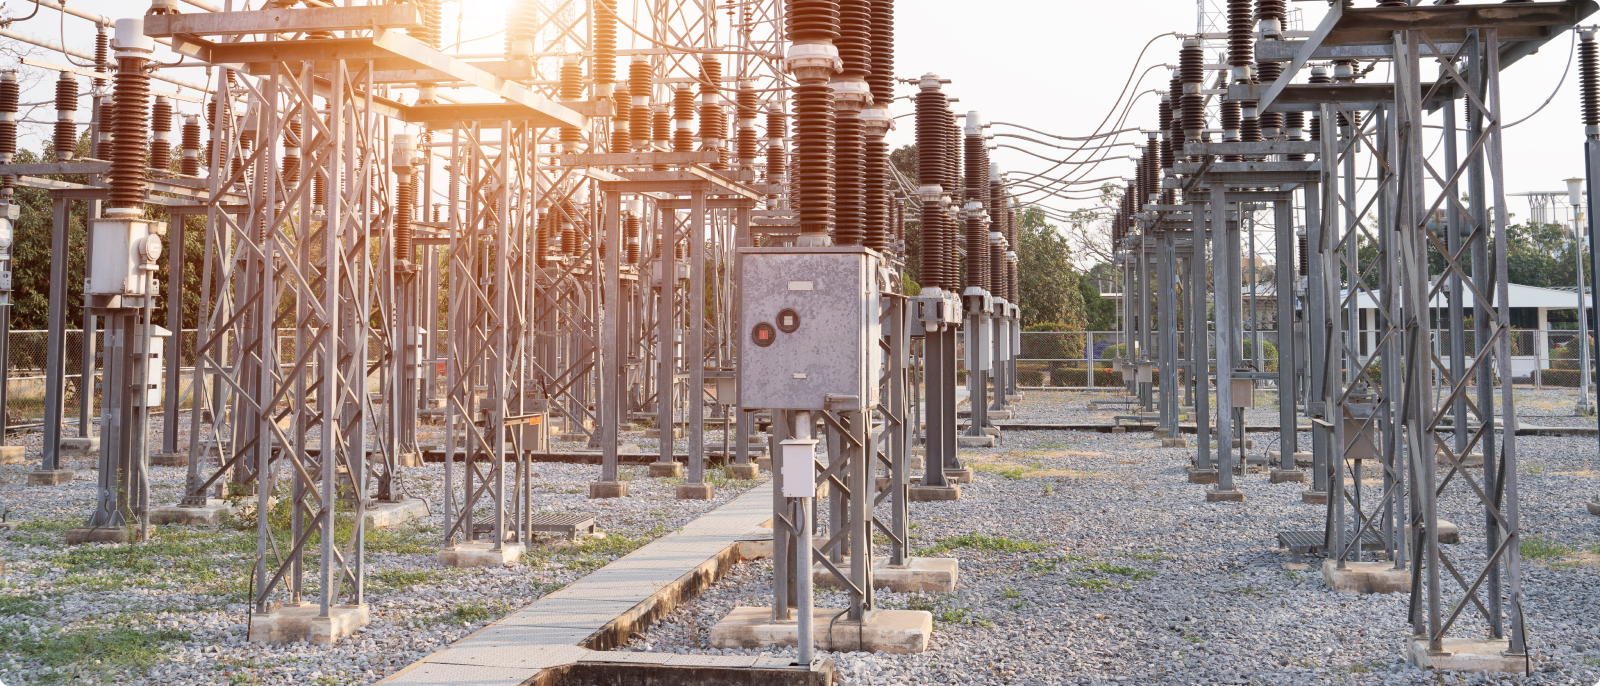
788 321
763 335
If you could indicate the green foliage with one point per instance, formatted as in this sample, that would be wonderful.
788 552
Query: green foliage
1538 548
590 554
89 654
1269 354
980 542
1048 285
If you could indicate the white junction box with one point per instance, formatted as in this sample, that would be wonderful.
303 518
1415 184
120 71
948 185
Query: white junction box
809 327
799 467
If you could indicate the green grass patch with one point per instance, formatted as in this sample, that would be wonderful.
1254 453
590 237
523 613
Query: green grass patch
1539 548
13 605
1153 556
982 543
400 579
89 654
1097 584
591 553
1118 570
1049 564
945 609
1007 471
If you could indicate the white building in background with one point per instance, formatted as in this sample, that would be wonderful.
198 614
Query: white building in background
1531 310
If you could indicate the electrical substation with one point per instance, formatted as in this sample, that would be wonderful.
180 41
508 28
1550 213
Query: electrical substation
672 342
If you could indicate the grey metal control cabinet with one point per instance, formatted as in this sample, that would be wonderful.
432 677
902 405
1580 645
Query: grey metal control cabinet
808 321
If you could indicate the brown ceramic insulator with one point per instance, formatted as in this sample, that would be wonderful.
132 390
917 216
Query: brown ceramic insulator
812 20
622 125
977 169
605 41
855 38
746 102
875 192
1315 130
291 154
747 144
776 130
1241 33
1175 131
161 140
639 127
933 245
1165 118
630 227
745 141
1403 3
191 147
1305 254
103 146
710 75
10 92
129 135
1152 163
813 156
1294 121
931 106
682 104
880 79
319 190
952 157
713 123
102 54
571 88
660 124
641 78
1191 72
406 200
1271 122
683 140
849 228
522 21
1589 72
66 138
1230 126
1273 9
432 23
1250 129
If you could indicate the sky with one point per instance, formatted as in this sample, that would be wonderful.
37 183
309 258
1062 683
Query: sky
1056 66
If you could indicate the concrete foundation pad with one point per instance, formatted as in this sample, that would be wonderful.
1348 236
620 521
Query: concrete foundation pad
608 489
169 459
1202 476
701 491
1014 398
656 433
666 470
12 454
1285 476
1000 414
984 441
929 494
480 555
744 471
1470 460
1449 534
1161 432
764 462
291 623
409 460
209 515
919 575
1365 577
49 477
1119 429
891 631
1594 507
97 534
80 446
960 476
1314 497
915 462
1469 655
384 515
1179 442
1214 495
1295 567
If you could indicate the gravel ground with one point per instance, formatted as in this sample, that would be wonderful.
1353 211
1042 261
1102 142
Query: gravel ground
1087 558
1108 567
173 611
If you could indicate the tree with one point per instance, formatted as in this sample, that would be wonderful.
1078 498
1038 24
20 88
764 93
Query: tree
1048 286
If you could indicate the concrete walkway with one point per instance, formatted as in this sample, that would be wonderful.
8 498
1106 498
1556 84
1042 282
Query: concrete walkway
575 626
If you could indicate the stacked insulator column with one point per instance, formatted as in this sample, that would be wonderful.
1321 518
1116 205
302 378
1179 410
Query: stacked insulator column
682 119
131 126
571 91
850 96
605 48
1294 130
1152 166
713 119
1241 39
876 121
1588 72
1271 18
1191 71
622 123
161 141
107 122
291 154
190 164
9 95
977 172
1271 122
813 26
745 143
631 230
1230 127
521 22
777 129
432 23
641 80
931 132
66 139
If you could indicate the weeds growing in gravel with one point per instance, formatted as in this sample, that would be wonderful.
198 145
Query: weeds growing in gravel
591 554
944 609
1006 471
1049 488
980 542
400 579
1539 548
89 654
1131 573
